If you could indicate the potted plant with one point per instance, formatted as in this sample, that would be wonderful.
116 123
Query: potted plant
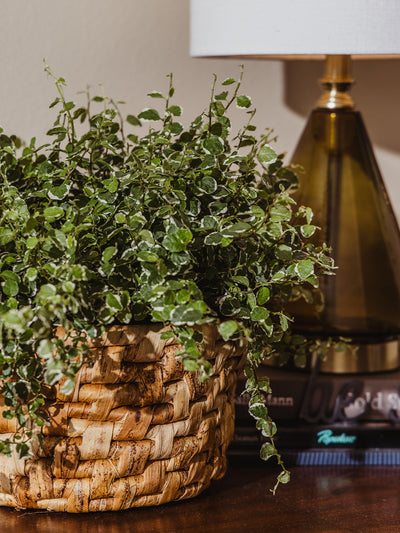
138 274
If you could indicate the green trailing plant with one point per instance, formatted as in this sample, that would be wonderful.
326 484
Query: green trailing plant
114 222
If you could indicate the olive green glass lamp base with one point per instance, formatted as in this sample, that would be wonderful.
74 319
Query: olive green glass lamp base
342 184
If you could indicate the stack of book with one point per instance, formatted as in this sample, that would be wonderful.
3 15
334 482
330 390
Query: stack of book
326 419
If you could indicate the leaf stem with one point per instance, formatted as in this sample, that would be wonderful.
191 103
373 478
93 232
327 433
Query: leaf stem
59 82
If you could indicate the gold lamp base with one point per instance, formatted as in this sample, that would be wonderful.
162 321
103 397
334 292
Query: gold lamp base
368 358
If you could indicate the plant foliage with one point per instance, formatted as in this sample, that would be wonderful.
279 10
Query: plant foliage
127 221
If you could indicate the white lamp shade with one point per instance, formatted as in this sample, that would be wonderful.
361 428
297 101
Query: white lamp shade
310 28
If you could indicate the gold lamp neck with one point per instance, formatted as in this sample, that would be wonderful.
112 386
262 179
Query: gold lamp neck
336 83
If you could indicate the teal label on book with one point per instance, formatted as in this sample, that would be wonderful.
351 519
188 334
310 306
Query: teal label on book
327 437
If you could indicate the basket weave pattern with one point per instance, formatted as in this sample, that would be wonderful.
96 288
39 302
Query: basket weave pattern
137 430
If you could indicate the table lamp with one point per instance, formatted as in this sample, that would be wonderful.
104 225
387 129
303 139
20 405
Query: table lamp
341 182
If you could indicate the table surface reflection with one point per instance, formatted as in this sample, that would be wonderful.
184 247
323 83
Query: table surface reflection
318 499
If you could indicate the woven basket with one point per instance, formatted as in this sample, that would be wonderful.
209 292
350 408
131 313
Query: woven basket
137 430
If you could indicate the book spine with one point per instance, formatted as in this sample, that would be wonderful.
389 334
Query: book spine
327 400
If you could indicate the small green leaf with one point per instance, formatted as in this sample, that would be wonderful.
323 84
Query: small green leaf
227 329
281 274
213 239
58 193
258 410
109 253
175 110
183 296
228 81
12 303
308 230
178 240
218 208
47 291
266 154
259 313
111 184
183 314
31 242
284 477
68 386
236 229
10 287
268 429
155 94
120 218
176 128
218 108
80 112
216 129
134 121
68 286
31 274
54 103
214 145
45 349
113 301
267 451
274 229
256 211
22 390
263 295
226 241
243 280
283 252
78 272
53 213
165 335
27 335
13 319
251 300
149 114
57 131
6 236
208 185
313 280
280 212
284 322
147 256
304 268
221 96
243 102
54 371
191 365
9 274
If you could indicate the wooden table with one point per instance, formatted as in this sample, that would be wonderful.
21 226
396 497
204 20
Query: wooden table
318 499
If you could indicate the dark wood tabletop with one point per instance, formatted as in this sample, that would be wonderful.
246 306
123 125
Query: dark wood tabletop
324 499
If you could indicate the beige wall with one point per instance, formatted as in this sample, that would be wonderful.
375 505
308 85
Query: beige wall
130 45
